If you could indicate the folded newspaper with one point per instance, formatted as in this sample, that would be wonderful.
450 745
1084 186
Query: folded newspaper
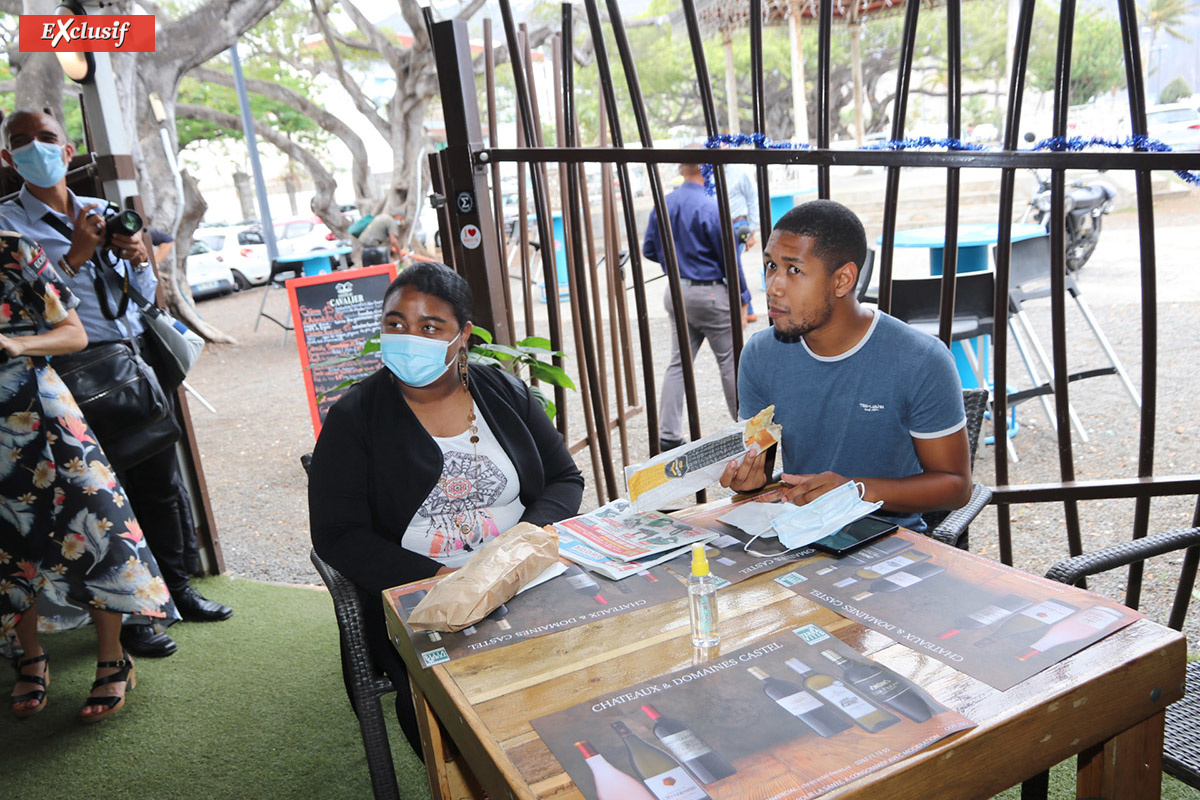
695 465
616 540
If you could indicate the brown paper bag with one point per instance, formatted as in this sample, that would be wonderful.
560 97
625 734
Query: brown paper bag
491 577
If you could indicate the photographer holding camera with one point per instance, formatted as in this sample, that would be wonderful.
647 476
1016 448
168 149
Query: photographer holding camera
100 256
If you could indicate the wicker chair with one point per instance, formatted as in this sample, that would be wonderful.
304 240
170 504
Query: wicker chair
950 527
1181 745
365 682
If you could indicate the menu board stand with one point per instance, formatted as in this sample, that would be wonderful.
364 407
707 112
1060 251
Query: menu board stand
335 314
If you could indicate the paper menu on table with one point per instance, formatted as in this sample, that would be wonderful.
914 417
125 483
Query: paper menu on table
625 534
695 465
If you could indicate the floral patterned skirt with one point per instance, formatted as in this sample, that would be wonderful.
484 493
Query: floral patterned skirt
68 536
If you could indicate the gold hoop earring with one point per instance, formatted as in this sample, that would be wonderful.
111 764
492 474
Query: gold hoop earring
462 369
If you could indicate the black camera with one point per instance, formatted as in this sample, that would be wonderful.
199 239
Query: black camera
118 220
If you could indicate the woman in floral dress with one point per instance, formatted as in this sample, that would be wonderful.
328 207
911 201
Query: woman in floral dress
66 529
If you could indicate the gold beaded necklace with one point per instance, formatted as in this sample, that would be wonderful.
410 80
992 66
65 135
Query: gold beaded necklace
464 526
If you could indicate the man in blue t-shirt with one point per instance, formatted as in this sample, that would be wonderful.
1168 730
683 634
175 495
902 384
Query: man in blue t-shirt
861 396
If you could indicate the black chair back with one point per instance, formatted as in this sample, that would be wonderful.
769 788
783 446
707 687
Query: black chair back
918 302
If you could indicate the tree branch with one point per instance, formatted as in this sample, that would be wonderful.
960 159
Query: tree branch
187 42
364 105
375 37
360 171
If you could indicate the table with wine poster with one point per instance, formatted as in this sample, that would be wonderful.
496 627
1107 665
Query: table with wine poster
483 714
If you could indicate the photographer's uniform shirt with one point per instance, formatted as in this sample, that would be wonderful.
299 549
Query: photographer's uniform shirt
27 215
155 487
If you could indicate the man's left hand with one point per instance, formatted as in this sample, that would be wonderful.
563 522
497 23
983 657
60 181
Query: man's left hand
806 488
130 248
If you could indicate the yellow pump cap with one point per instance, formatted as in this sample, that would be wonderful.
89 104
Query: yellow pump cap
699 560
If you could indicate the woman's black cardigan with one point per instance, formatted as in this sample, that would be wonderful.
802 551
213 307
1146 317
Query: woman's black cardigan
374 464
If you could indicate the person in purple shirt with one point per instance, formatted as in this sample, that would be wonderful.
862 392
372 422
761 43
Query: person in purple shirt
696 229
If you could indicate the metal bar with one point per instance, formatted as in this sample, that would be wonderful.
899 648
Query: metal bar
476 257
523 221
967 159
497 199
613 279
671 267
733 264
1058 323
892 180
824 91
1168 486
608 92
1183 590
540 199
579 304
1016 95
760 118
568 189
953 183
1128 16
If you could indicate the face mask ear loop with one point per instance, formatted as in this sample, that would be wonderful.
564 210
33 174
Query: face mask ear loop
756 554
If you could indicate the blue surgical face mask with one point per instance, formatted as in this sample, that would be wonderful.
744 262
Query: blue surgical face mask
40 163
828 514
416 360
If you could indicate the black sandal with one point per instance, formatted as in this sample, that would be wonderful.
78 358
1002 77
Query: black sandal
38 695
112 705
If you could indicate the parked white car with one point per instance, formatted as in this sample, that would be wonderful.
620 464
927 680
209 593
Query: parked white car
242 249
305 235
207 273
1174 124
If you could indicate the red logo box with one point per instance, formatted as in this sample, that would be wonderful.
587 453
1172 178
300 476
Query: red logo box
92 33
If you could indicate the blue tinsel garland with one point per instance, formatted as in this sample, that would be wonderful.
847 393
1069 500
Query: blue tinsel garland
1056 144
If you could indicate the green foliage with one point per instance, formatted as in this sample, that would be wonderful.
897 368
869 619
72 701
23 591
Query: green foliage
1177 89
527 353
1097 63
280 116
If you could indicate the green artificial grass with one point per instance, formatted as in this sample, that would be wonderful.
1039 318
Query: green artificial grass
253 707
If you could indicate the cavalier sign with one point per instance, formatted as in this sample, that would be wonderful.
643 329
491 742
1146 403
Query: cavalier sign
99 33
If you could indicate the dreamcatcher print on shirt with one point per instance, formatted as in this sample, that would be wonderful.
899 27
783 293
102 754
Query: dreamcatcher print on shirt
471 484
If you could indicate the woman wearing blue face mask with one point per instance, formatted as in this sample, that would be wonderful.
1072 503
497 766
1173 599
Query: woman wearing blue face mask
420 464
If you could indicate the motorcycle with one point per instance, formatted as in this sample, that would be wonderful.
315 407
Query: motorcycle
1086 203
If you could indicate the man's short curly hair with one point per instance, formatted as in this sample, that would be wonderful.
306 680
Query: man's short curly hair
837 232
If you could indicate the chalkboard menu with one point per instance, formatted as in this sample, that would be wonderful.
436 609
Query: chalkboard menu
334 314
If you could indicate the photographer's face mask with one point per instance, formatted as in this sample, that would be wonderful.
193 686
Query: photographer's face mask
416 360
824 516
40 163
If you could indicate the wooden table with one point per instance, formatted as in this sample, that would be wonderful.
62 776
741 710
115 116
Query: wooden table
1104 704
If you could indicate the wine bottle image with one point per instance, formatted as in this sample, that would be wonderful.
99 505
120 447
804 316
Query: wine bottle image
611 783
902 579
885 567
802 704
884 686
868 716
661 773
409 602
705 763
1030 619
1078 626
876 551
498 617
583 583
990 614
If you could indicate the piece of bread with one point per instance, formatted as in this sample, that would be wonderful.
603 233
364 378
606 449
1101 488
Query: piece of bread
761 429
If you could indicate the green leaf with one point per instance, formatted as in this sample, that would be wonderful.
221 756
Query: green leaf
535 341
480 358
545 401
551 374
482 333
333 362
501 351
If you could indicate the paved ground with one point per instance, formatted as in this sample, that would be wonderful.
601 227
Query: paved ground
252 444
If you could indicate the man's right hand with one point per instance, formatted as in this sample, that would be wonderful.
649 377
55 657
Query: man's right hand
748 476
88 234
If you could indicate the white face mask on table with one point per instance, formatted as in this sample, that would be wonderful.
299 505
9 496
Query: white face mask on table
824 516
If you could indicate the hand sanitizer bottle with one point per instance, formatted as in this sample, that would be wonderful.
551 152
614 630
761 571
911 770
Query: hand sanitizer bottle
702 601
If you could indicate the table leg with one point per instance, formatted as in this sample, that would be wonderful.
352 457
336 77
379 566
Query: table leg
449 776
1127 766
